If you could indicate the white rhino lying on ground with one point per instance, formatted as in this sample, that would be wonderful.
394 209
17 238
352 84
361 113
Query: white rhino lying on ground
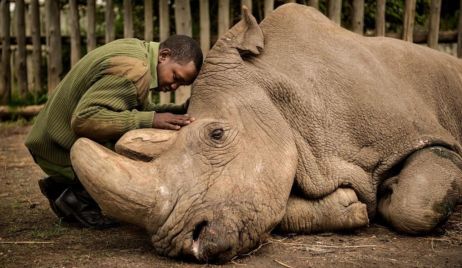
302 126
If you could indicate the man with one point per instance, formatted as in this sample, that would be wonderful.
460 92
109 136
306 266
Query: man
103 96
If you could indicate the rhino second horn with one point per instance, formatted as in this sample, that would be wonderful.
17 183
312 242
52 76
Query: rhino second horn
145 144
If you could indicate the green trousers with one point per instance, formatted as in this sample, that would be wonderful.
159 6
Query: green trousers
62 174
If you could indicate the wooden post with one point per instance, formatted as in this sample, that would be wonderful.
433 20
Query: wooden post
291 1
247 3
74 31
334 11
205 26
183 26
459 36
53 24
164 33
380 18
5 70
313 3
148 27
269 7
91 25
37 46
358 17
109 18
223 17
21 64
128 19
409 17
434 27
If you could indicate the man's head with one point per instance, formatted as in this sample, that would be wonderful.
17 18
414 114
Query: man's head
179 62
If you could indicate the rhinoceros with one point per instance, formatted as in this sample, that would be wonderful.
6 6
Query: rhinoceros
302 126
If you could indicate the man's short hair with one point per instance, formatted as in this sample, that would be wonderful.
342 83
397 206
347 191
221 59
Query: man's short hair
184 49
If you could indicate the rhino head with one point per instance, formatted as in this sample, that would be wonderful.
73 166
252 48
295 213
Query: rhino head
216 188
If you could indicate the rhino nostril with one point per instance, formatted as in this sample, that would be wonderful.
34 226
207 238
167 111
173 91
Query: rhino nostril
198 229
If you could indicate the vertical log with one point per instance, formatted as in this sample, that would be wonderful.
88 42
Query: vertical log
183 26
109 18
409 17
269 7
37 46
91 25
164 32
434 27
334 10
459 36
380 18
21 64
313 3
74 30
223 17
205 26
5 71
53 24
128 19
248 4
358 16
148 27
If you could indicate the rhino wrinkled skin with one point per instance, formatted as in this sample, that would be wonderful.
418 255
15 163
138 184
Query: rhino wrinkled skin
301 126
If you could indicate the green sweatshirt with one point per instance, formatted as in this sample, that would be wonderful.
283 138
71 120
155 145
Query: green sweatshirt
103 96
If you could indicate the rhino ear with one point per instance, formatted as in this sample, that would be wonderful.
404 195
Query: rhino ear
247 35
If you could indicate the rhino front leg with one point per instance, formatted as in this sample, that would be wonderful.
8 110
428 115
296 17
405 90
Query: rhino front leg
340 210
424 193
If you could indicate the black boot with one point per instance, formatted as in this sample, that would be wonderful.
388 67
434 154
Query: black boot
52 189
77 203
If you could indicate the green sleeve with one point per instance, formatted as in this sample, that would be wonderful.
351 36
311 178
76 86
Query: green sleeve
108 110
168 108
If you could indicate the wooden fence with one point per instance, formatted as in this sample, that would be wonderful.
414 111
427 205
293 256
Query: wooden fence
47 40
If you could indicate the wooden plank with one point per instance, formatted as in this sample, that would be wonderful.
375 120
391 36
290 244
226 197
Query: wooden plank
313 3
204 26
36 46
459 36
164 32
148 26
358 17
53 23
269 7
183 26
409 18
223 17
128 19
434 27
91 25
334 11
380 18
5 69
109 18
21 64
74 31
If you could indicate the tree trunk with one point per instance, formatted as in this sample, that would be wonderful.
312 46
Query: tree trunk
223 17
313 3
358 16
269 7
128 19
434 27
380 18
53 43
459 36
205 26
334 11
5 70
148 27
91 25
37 47
248 4
164 33
109 18
183 26
409 17
21 66
74 30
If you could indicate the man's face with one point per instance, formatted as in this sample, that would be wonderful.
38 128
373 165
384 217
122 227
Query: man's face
172 74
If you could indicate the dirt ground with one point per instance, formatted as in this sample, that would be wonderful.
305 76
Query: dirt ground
31 236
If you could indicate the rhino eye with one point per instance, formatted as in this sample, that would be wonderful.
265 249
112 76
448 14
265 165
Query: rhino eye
217 134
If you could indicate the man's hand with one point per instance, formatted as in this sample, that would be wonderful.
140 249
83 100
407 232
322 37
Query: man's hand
171 121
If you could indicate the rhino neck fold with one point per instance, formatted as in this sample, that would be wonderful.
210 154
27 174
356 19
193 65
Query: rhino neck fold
125 189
